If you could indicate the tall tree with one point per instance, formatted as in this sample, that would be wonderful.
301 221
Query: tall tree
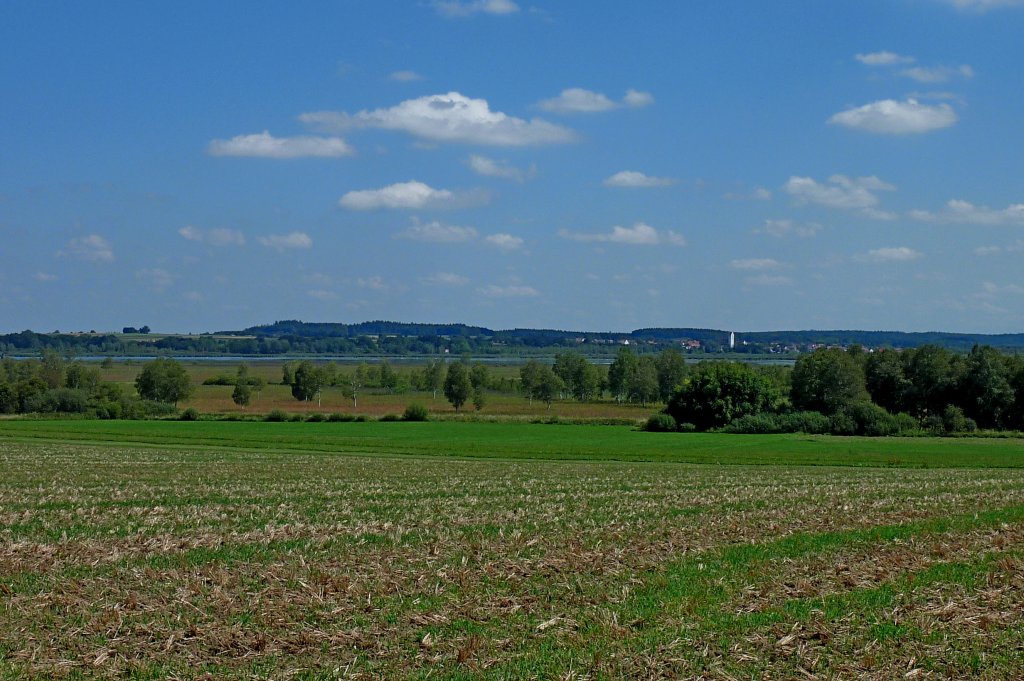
307 381
621 373
671 372
827 380
457 387
433 376
985 393
716 393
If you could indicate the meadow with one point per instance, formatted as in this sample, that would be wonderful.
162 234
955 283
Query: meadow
481 550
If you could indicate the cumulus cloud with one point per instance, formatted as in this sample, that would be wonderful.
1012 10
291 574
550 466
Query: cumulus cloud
891 117
282 242
505 242
840 192
754 264
937 74
632 178
155 278
412 195
405 76
445 279
639 234
459 8
215 237
891 254
92 247
481 165
44 276
959 211
264 145
514 291
437 232
450 117
374 283
784 228
580 100
883 58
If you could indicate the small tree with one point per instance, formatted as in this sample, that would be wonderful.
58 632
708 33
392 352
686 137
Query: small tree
433 376
307 382
241 395
479 398
457 387
164 380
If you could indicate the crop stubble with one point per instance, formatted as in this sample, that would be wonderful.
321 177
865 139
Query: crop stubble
120 561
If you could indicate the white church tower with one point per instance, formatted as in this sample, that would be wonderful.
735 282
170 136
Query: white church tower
732 340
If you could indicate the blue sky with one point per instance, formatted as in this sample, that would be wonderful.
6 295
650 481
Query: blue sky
598 166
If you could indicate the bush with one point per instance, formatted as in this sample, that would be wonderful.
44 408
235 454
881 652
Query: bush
415 412
955 421
295 418
661 423
276 416
190 414
315 417
341 418
390 418
810 422
687 428
220 379
59 400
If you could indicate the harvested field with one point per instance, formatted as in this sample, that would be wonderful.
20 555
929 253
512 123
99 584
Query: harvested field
129 562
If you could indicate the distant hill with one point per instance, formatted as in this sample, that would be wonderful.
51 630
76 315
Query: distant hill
718 337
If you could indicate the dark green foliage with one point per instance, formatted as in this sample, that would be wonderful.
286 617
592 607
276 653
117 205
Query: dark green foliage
242 394
457 387
61 401
276 416
307 381
579 376
955 421
164 380
415 412
671 370
337 417
810 422
827 380
316 417
717 393
661 423
390 418
985 391
190 414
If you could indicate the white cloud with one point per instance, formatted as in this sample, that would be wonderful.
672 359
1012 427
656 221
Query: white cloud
405 76
639 234
446 279
437 232
505 242
891 117
281 242
264 145
450 117
44 276
215 237
983 5
891 254
580 100
754 264
637 99
632 178
458 8
515 291
156 278
92 247
758 194
481 165
412 195
883 58
840 192
990 289
322 294
768 280
959 211
375 283
988 250
784 228
937 74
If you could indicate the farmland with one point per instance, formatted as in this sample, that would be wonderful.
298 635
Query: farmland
480 550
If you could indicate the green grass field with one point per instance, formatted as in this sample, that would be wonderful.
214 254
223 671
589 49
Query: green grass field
155 550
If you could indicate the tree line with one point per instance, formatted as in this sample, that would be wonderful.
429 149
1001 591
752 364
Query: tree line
853 392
